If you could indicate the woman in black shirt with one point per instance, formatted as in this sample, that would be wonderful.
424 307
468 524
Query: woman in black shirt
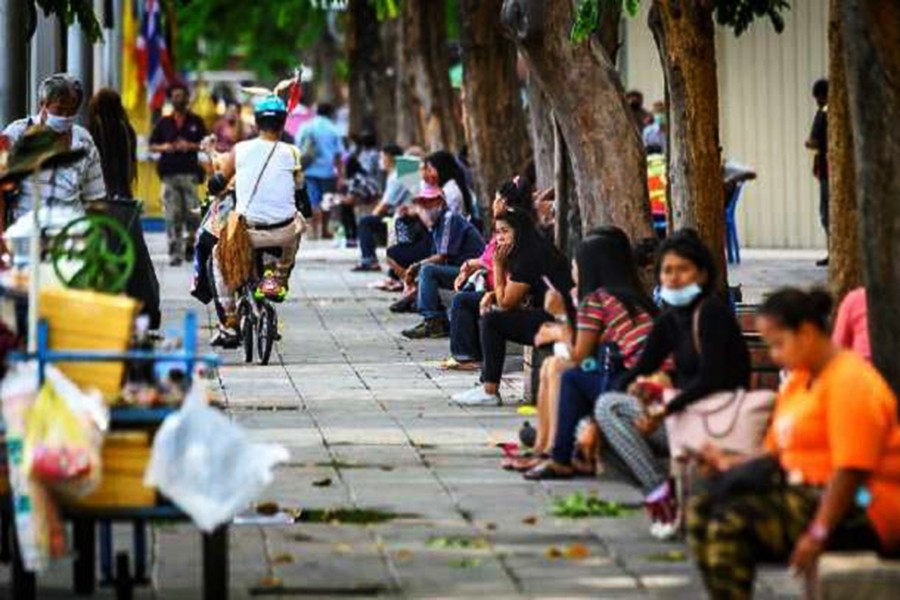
524 263
699 331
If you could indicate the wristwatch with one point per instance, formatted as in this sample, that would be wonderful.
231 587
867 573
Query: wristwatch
818 531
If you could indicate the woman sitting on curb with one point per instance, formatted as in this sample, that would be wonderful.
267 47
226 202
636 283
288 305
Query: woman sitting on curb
701 333
465 348
613 310
831 477
523 264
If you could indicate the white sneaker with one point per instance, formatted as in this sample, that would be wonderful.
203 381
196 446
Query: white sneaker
663 531
477 397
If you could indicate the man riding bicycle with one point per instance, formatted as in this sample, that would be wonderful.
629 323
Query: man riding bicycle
266 175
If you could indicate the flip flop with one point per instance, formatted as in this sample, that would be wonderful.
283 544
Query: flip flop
546 471
451 364
521 464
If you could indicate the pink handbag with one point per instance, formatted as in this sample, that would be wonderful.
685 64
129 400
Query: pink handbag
736 421
732 420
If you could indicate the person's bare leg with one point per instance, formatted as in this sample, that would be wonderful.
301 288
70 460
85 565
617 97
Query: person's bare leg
543 426
557 367
491 388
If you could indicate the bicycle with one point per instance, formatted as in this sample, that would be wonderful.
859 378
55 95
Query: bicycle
257 317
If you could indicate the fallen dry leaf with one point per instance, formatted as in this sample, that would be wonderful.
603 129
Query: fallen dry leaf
490 526
343 548
322 482
403 555
285 558
269 581
532 520
577 552
553 553
267 508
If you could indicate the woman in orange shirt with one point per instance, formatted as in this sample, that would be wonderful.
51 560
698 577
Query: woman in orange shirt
830 478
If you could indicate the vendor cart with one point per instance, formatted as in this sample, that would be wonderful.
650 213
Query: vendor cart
85 518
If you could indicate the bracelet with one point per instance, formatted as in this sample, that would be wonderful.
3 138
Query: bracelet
818 531
562 319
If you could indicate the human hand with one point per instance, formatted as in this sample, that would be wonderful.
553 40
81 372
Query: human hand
805 555
465 271
411 274
554 303
501 254
646 390
487 301
649 423
547 334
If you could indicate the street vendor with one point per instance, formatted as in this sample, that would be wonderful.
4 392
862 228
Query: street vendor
68 186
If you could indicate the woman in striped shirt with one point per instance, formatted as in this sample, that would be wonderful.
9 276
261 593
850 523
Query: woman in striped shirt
613 310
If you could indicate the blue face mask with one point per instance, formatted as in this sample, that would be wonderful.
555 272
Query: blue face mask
59 124
680 297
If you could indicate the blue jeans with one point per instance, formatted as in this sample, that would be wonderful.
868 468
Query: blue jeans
431 279
370 227
464 313
578 393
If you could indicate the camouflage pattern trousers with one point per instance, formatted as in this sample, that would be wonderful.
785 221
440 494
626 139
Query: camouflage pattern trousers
729 537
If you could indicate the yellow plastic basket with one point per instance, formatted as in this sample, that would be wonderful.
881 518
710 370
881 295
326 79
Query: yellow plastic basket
84 320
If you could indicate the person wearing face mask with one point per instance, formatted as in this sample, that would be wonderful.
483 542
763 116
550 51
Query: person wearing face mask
372 226
60 97
700 332
177 139
455 241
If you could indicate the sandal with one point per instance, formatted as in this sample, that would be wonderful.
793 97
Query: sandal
547 470
451 364
522 464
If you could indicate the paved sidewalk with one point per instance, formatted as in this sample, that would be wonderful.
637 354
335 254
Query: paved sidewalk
367 418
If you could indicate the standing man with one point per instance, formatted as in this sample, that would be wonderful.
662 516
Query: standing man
69 186
177 139
818 143
321 148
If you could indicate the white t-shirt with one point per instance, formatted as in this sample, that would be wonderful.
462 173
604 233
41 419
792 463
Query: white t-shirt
274 199
67 186
454 197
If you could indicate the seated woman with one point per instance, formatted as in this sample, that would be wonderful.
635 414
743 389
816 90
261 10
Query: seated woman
700 332
465 348
613 309
831 468
524 263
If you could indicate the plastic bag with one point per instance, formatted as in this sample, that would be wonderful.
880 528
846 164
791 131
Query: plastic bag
63 436
205 463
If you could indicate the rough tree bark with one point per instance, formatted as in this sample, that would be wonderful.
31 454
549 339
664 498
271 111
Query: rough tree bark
371 109
685 37
845 254
540 125
588 101
425 70
872 54
495 119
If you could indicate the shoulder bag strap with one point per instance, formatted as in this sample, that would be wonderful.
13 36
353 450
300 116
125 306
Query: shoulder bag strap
259 178
695 328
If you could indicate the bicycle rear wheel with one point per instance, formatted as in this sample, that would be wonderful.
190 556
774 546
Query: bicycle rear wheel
247 335
266 329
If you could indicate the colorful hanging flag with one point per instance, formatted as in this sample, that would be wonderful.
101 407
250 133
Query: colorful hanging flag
154 61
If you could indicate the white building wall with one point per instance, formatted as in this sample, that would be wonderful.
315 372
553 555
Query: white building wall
766 111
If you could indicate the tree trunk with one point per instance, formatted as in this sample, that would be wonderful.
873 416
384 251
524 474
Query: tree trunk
541 125
685 38
369 73
325 54
588 101
386 118
492 97
425 66
845 254
872 54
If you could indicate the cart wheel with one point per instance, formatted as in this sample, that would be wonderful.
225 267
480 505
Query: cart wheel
247 337
265 337
124 585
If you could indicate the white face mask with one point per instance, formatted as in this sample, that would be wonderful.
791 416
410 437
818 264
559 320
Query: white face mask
59 124
680 297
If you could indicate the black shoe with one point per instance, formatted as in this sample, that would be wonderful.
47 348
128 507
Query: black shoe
175 261
406 304
822 263
189 254
225 338
428 329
